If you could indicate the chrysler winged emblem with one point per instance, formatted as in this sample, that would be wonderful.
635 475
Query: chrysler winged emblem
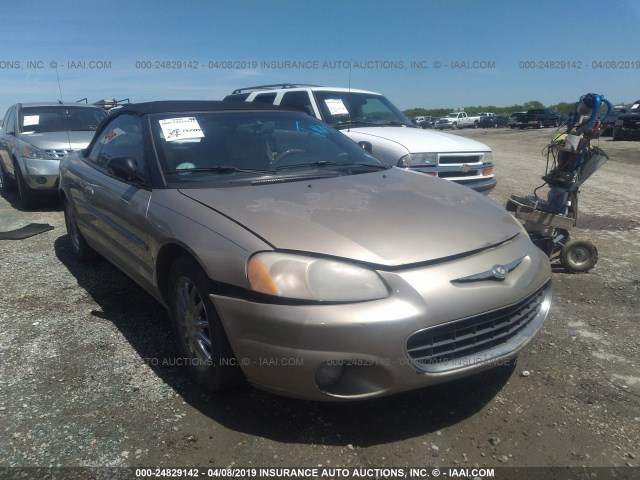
497 272
500 272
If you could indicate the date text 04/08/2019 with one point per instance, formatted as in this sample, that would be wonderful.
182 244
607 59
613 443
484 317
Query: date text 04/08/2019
315 472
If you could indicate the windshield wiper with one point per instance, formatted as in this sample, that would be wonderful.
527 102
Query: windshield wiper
217 169
395 123
354 122
322 163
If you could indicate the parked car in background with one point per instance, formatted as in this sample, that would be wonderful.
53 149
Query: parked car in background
455 120
513 119
616 111
538 118
370 119
428 122
493 121
289 256
627 125
35 137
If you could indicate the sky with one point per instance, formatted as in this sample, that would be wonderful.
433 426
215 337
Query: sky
419 53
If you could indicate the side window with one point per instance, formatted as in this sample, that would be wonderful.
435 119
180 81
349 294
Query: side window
121 138
299 100
9 121
267 98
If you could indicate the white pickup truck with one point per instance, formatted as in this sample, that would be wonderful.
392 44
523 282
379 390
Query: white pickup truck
371 120
458 120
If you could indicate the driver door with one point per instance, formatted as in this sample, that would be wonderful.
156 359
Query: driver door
116 209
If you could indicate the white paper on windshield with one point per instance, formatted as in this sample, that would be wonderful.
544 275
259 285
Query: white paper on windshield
180 128
336 107
31 120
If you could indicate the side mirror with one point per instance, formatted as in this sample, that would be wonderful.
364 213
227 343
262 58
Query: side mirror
123 167
367 146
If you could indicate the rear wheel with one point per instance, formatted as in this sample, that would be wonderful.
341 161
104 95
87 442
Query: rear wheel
579 256
199 333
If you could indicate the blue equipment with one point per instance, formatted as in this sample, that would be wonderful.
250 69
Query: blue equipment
573 160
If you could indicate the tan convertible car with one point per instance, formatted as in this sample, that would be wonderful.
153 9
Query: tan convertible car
290 257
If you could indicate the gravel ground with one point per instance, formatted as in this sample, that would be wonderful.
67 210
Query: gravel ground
87 376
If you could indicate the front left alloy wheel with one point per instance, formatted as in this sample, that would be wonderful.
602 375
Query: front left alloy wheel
201 339
79 245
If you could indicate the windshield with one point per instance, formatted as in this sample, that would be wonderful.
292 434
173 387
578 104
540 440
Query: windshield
343 109
59 118
224 147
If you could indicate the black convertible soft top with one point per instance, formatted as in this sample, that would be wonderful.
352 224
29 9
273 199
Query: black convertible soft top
178 106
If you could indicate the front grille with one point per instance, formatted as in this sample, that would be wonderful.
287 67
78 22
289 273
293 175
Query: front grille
59 153
440 345
455 159
632 124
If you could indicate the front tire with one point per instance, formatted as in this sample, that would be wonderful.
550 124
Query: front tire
83 252
8 183
200 336
27 199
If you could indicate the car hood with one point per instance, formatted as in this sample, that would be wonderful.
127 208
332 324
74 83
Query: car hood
389 218
417 140
632 115
71 140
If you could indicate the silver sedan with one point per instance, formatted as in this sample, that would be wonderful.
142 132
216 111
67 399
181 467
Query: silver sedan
289 257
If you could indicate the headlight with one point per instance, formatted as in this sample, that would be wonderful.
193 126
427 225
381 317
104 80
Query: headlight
29 151
308 278
488 157
418 160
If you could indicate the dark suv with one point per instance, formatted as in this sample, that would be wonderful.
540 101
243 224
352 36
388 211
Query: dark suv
627 125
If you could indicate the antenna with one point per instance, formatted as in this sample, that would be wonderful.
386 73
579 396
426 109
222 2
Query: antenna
62 101
59 87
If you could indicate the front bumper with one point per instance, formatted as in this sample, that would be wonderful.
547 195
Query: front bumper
482 185
281 347
41 176
622 131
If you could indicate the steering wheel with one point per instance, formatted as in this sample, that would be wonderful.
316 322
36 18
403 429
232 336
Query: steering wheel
290 151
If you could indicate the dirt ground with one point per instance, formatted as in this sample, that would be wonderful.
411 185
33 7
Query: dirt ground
87 377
